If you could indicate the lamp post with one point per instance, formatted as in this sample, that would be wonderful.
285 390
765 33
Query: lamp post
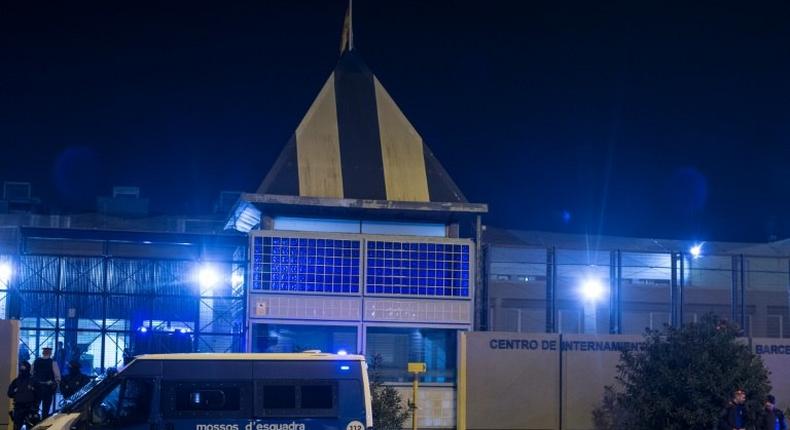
415 369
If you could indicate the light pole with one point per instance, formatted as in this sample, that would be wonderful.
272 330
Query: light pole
415 369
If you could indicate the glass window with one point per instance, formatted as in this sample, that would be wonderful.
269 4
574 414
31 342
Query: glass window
191 399
765 281
316 396
316 224
306 264
708 286
129 403
404 228
393 348
206 399
279 397
298 338
583 291
645 291
420 269
297 398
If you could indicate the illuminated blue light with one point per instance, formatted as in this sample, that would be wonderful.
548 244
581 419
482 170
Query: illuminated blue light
696 250
345 367
306 265
342 352
6 271
208 277
143 330
422 269
592 289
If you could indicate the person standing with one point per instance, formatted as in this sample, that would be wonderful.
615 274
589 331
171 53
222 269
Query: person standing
46 375
773 418
60 355
74 380
23 391
735 414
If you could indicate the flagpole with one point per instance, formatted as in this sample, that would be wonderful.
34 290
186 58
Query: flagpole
350 25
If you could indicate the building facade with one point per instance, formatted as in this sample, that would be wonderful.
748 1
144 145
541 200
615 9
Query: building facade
357 240
537 282
360 242
98 287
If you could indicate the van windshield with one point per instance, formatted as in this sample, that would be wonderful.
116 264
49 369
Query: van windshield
70 403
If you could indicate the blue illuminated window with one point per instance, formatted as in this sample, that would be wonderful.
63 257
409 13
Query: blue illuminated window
306 264
421 269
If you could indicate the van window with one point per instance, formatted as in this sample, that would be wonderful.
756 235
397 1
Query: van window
205 399
279 397
296 398
208 399
128 404
317 396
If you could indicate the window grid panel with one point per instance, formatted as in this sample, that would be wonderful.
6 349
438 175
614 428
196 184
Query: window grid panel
300 264
418 268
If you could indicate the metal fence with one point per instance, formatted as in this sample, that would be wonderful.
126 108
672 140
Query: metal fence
100 309
578 291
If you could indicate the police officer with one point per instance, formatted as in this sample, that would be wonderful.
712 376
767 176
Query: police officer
46 375
23 391
74 380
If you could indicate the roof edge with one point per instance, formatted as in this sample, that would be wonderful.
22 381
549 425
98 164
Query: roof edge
276 199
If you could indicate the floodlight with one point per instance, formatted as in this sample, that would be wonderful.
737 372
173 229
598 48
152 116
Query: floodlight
592 289
208 277
5 272
696 250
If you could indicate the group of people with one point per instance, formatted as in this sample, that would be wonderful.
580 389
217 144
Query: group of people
34 389
736 416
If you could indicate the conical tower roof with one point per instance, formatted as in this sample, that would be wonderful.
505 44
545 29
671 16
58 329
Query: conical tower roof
355 143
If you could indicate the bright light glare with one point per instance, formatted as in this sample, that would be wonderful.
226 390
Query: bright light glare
696 250
143 330
342 352
5 272
592 289
208 277
345 367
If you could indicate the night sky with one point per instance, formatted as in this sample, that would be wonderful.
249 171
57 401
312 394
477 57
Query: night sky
659 119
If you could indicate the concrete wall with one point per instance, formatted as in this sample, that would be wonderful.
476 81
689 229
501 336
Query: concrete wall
512 388
776 357
551 381
537 381
9 347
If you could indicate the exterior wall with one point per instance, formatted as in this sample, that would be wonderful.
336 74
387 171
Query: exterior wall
9 339
538 381
512 389
91 295
553 381
528 381
721 284
776 357
365 308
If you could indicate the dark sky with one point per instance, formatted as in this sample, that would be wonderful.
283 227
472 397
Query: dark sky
660 119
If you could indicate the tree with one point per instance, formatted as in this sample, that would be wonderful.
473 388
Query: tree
683 379
388 410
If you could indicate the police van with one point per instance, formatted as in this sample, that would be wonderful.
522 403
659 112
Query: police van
303 391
